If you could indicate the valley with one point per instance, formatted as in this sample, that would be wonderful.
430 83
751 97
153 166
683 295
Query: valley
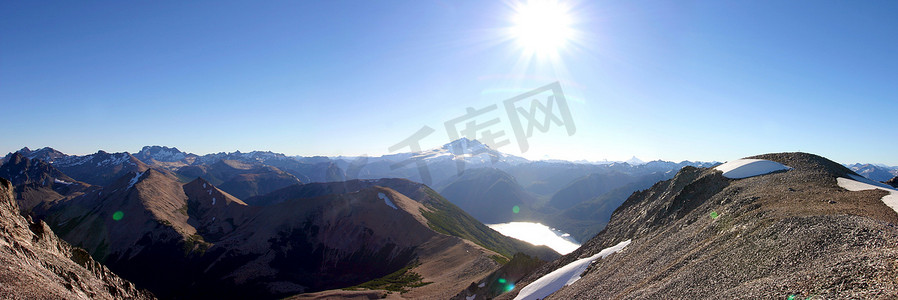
284 237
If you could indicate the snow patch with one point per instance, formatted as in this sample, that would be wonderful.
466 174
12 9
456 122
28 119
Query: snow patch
134 180
204 185
564 276
114 160
213 200
213 218
210 192
858 183
471 297
744 168
386 200
863 179
61 181
482 284
73 160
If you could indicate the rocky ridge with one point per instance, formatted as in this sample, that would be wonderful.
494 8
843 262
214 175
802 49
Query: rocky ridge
790 233
39 265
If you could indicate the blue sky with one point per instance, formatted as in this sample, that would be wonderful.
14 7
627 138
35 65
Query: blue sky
673 80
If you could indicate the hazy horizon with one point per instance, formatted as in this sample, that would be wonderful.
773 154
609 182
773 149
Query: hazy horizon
383 154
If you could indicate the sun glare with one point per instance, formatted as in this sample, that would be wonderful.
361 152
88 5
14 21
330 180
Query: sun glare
542 27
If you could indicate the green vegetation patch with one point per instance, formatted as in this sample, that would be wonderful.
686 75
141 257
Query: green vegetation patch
500 259
446 218
195 243
183 210
400 281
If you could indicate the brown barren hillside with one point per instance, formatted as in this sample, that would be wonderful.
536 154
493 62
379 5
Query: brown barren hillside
194 240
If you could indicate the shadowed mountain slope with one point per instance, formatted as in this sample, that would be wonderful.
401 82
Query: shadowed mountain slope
489 195
194 240
241 179
39 265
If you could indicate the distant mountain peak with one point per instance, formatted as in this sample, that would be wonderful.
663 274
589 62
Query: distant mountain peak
465 144
875 172
46 154
634 161
21 170
16 157
160 153
158 148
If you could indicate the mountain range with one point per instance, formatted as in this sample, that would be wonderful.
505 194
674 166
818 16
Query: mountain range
265 225
549 195
531 185
875 171
194 240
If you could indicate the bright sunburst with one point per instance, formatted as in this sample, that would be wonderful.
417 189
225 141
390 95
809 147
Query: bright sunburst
542 27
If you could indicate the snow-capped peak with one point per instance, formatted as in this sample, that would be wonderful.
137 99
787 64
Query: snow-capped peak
633 161
466 145
46 154
101 158
467 151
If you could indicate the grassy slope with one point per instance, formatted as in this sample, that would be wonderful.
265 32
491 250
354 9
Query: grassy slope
447 218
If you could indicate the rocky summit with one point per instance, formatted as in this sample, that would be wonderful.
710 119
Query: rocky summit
793 233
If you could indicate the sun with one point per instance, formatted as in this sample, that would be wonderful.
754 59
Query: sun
542 27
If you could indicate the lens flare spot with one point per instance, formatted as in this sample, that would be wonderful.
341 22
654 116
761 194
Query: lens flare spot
714 215
118 215
501 280
509 287
516 209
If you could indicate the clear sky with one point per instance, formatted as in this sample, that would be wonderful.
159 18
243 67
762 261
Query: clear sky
673 80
